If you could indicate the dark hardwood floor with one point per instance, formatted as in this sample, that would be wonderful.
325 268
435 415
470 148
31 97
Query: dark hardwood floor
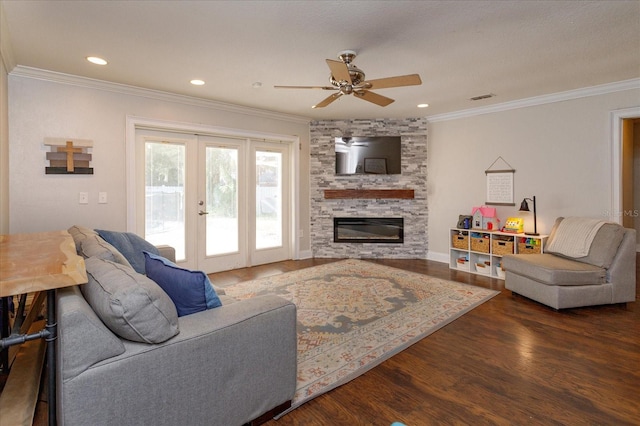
510 361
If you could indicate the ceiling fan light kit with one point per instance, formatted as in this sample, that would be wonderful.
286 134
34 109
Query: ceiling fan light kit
348 79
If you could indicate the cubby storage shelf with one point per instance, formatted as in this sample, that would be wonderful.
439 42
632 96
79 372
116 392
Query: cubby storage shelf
480 251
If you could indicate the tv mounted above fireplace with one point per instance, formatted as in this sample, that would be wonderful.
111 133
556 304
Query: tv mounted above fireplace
368 155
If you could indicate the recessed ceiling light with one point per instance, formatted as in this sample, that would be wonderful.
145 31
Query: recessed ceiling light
96 60
257 85
197 82
423 105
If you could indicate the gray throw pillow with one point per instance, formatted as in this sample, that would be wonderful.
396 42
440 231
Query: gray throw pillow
94 246
131 246
79 233
130 304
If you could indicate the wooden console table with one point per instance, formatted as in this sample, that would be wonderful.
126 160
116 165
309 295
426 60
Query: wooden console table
35 262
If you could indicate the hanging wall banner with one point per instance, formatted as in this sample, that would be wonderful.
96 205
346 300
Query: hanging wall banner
500 185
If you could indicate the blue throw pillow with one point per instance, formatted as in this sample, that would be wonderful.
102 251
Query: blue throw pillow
130 246
191 291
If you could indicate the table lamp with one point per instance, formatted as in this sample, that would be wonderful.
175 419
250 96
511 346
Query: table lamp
524 207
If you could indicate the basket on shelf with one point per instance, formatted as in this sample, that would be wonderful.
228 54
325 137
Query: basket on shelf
460 240
500 248
524 248
480 244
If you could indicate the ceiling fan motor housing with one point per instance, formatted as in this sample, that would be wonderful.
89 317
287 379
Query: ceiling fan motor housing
356 74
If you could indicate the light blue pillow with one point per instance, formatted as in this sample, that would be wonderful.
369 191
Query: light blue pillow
191 291
130 246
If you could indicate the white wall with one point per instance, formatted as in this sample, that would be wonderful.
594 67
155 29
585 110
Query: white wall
41 108
4 150
6 63
561 152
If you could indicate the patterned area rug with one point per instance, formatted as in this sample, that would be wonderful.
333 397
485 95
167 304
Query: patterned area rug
353 314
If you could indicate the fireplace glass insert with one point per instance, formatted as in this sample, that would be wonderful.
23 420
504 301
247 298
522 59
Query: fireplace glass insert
368 230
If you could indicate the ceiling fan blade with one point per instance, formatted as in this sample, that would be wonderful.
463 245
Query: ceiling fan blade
399 81
328 100
339 70
307 87
373 97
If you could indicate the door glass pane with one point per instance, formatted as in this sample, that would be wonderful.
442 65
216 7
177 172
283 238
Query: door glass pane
221 200
164 195
268 199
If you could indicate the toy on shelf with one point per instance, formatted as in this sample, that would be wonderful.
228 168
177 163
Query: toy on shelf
484 217
514 225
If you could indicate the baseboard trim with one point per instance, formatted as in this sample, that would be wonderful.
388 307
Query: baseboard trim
438 257
304 254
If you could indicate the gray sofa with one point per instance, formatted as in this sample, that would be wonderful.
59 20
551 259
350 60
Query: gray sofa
606 275
224 366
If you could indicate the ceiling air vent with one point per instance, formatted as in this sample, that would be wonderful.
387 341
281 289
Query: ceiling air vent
477 98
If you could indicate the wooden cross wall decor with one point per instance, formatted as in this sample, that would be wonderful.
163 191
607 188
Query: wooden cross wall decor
69 156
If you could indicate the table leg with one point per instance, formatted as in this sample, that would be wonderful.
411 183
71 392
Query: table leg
52 328
5 332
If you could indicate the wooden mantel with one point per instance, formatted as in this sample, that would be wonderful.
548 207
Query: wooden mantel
369 193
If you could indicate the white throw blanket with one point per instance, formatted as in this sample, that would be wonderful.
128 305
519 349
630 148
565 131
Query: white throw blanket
574 236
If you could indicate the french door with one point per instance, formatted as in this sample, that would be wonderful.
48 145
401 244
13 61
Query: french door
222 202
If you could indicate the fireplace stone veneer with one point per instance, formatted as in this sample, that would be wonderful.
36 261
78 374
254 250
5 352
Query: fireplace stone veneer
413 176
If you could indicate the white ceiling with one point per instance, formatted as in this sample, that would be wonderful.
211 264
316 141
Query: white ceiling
461 49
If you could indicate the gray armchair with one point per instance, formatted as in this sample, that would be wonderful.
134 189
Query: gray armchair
607 274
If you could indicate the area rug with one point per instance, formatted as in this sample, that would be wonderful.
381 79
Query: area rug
353 314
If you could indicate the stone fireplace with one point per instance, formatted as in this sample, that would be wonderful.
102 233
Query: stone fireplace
381 200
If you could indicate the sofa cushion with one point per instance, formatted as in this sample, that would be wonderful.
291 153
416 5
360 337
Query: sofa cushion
85 339
191 291
130 304
130 245
603 248
553 270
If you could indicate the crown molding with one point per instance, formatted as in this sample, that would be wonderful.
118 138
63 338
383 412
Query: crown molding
74 80
540 100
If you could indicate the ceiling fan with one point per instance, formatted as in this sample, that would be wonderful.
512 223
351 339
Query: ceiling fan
349 141
347 79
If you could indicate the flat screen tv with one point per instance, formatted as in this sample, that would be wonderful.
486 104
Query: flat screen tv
379 155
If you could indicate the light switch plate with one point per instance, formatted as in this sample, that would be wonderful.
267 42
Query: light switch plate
83 198
102 198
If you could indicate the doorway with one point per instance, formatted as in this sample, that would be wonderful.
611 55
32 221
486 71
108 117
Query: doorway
625 166
630 167
223 201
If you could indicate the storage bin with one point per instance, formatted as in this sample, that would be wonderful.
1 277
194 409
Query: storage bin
480 245
502 247
483 268
500 272
460 241
463 264
524 248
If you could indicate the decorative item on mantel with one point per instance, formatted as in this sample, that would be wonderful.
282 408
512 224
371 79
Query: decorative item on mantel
68 156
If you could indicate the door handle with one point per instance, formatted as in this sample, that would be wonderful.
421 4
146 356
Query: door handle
202 212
